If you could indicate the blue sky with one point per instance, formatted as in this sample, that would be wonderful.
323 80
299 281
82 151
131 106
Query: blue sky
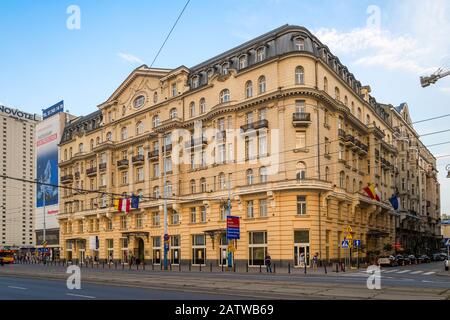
42 62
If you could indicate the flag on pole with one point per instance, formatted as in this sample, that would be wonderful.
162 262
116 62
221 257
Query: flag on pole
117 204
378 195
370 190
394 202
125 205
134 202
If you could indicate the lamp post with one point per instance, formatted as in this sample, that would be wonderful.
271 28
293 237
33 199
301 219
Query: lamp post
165 206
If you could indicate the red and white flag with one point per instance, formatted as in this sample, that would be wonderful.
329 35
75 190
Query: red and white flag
125 205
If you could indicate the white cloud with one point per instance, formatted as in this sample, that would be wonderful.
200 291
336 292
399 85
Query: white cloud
446 90
415 41
130 58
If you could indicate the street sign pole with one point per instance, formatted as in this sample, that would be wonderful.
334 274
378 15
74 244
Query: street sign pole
165 205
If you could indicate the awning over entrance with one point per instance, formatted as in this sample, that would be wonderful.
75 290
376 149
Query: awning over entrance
136 234
377 234
215 231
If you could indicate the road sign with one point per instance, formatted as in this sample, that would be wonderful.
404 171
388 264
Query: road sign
43 250
233 228
349 236
357 243
349 229
345 244
447 243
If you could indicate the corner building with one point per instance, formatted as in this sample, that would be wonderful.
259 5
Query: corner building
311 138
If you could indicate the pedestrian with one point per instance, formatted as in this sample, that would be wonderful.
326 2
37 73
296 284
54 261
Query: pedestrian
302 260
268 263
316 260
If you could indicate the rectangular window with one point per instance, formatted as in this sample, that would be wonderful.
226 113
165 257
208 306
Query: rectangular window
300 106
168 164
140 174
110 248
175 217
156 241
139 221
203 214
155 219
301 205
125 177
175 249
262 145
123 222
300 140
174 89
263 208
193 215
156 170
250 213
257 248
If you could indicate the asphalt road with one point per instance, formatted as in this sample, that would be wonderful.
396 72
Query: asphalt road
14 288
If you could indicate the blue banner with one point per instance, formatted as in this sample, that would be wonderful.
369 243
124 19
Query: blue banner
57 108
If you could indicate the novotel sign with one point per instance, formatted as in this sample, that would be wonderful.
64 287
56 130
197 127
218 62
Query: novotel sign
18 114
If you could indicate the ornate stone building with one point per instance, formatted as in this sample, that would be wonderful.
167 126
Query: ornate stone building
277 124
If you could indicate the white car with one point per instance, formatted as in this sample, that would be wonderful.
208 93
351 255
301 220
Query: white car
387 261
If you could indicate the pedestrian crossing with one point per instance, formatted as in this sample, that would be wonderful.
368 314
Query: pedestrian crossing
391 272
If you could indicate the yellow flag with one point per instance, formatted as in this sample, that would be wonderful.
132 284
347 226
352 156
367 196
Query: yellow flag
116 204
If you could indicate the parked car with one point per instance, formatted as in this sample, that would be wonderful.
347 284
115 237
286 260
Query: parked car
389 261
407 259
400 259
412 258
439 257
423 259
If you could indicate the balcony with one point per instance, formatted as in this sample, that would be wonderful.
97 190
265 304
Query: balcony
301 119
341 134
196 143
138 159
255 125
102 167
77 175
363 149
357 145
67 179
153 155
349 140
124 163
91 172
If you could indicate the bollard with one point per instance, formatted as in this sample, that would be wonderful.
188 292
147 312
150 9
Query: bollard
274 268
337 268
179 266
289 267
153 266
222 266
137 266
234 267
325 267
246 267
170 266
189 266
305 268
143 266
200 267
161 265
103 264
260 268
210 267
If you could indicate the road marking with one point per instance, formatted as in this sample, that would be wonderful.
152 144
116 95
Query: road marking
390 271
429 273
18 288
79 296
416 272
404 271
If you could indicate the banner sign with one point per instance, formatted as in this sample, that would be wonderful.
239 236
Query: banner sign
233 228
57 108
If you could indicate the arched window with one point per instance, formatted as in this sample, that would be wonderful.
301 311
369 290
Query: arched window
243 62
353 107
260 54
168 189
203 185
70 153
367 119
346 101
173 113
327 173
347 183
139 102
155 121
109 136
202 105
222 184
192 186
98 141
124 133
325 84
139 128
192 109
354 186
299 75
337 94
156 193
341 179
155 97
263 175
249 176
262 84
92 144
80 148
359 114
124 109
301 170
224 96
65 154
249 89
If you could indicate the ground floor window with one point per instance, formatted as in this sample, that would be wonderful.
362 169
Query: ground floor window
69 246
110 248
257 248
175 249
198 249
301 248
223 253
156 250
124 250
82 251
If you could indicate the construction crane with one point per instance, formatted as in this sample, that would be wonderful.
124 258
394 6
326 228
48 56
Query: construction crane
427 81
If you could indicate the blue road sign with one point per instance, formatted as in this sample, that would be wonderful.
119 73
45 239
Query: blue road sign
447 243
345 244
357 243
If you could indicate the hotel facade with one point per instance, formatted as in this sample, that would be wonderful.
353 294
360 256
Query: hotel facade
277 125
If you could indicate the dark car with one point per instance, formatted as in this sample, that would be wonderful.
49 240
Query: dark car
400 259
423 259
407 259
412 258
439 257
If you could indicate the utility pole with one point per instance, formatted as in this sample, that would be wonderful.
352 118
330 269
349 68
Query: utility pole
165 204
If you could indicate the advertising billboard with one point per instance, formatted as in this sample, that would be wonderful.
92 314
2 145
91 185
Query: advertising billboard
48 136
55 109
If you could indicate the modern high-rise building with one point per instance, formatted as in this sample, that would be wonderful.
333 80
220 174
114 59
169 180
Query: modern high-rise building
18 155
277 127
48 135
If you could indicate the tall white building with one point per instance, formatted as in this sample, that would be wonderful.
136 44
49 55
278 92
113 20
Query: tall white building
17 145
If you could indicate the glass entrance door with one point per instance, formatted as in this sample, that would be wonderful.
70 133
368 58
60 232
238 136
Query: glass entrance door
82 255
301 255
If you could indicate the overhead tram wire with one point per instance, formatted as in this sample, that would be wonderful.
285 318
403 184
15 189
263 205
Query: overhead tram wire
171 30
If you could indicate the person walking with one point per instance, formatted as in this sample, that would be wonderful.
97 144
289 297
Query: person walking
316 260
268 263
302 260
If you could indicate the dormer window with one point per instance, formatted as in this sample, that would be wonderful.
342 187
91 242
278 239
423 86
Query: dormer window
155 97
139 102
173 113
299 44
225 68
210 72
243 62
174 90
195 82
260 54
